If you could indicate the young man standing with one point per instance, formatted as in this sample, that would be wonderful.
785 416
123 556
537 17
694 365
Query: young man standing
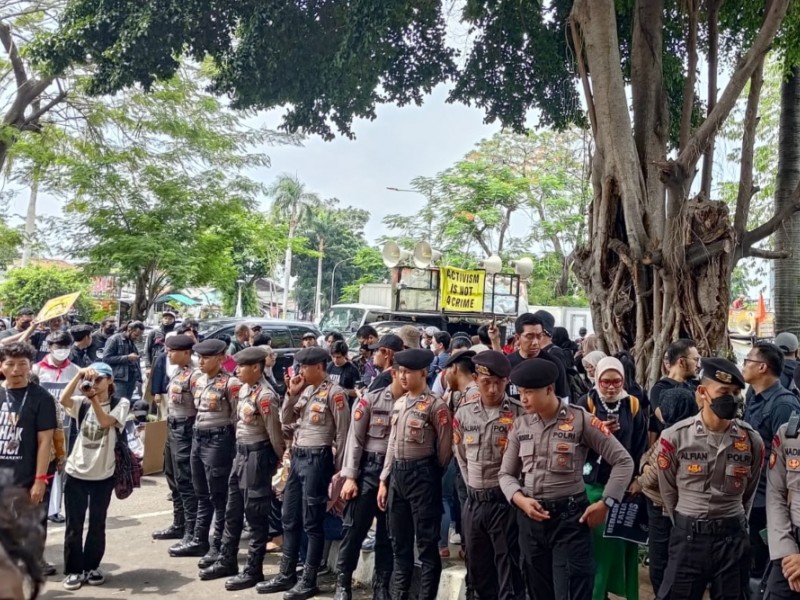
123 356
535 332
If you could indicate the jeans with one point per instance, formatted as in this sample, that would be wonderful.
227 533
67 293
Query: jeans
449 499
79 494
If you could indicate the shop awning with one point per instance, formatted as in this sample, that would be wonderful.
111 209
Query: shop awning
180 298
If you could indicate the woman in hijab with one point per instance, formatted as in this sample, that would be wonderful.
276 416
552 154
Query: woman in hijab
589 363
623 416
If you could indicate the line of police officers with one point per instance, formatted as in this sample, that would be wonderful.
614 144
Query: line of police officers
226 438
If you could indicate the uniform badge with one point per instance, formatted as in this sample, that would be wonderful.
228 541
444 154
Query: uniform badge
772 458
741 445
502 442
570 418
561 460
566 427
264 406
322 393
340 401
358 414
443 416
422 405
506 418
469 440
600 426
456 437
663 461
315 418
694 469
666 446
220 385
793 464
562 447
741 471
776 441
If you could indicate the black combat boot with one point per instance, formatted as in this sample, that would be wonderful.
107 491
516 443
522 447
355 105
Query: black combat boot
225 566
252 574
306 587
381 581
173 532
284 580
344 591
194 546
210 557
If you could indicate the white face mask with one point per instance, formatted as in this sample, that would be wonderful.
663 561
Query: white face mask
61 354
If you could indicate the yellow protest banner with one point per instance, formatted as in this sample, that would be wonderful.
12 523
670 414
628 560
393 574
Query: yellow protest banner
56 307
461 289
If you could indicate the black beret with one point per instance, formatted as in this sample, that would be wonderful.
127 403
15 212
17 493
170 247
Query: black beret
458 356
250 356
312 356
534 374
179 342
491 362
390 341
721 370
414 358
210 347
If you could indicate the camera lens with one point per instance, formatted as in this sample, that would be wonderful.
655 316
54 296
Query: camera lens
86 385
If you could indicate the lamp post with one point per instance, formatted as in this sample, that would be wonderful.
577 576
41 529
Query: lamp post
333 274
428 196
240 283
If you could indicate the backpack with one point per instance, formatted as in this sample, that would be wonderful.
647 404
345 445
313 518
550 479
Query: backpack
634 404
578 387
127 466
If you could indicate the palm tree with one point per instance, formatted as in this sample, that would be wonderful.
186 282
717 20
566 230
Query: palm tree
292 202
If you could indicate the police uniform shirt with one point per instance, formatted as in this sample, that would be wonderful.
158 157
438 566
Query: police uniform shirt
258 417
369 429
550 455
480 437
456 399
180 392
783 495
707 478
322 415
421 427
215 399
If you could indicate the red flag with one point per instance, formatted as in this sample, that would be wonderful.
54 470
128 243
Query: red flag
761 310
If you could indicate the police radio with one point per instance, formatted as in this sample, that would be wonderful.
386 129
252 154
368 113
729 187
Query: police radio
793 426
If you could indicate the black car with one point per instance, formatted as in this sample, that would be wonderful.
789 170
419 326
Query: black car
286 337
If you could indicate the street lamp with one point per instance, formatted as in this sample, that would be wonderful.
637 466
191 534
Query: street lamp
333 274
240 283
427 195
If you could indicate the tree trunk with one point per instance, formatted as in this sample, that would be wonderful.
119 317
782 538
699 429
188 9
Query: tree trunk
287 266
787 237
139 307
318 299
30 220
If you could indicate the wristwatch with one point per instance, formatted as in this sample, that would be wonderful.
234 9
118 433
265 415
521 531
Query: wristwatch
609 502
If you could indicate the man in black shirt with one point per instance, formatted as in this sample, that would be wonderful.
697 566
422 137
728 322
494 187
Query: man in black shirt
341 371
683 362
36 337
81 346
535 333
99 338
21 323
384 359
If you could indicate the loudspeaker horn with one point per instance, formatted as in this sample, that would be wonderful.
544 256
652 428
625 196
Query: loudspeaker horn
393 254
492 264
523 267
425 256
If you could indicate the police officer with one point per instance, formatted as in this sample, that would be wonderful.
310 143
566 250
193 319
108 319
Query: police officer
215 395
181 414
420 447
259 446
459 375
708 470
783 513
323 415
480 435
547 448
363 462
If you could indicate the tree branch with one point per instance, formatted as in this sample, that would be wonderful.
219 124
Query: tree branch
13 55
587 88
768 254
746 186
713 60
691 75
34 118
766 229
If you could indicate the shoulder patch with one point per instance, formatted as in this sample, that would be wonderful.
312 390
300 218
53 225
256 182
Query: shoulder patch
340 400
663 461
773 458
666 446
264 405
600 426
442 416
776 441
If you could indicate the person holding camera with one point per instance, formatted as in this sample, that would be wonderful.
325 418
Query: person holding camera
101 416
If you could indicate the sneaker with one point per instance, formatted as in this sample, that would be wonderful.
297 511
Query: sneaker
59 518
455 538
48 568
74 581
95 578
369 542
444 552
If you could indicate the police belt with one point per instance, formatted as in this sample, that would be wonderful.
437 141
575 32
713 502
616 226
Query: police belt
720 526
565 506
494 494
410 465
175 422
309 451
373 457
254 447
212 431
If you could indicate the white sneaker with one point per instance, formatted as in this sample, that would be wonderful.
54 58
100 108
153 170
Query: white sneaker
74 581
455 538
95 578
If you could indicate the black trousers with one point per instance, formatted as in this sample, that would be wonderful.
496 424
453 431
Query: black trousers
178 470
721 559
250 495
80 495
415 498
212 458
658 543
759 551
358 516
305 499
777 586
492 542
557 554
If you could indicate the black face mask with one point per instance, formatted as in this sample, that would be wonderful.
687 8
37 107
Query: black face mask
168 328
110 330
725 406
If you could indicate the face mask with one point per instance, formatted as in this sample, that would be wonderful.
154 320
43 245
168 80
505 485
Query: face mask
168 328
61 354
110 330
725 406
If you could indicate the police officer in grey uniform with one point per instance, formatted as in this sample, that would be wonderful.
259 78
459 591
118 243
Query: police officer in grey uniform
323 415
363 462
180 423
259 447
783 513
420 447
480 436
215 396
708 471
547 448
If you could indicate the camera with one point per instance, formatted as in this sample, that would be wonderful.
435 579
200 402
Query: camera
86 385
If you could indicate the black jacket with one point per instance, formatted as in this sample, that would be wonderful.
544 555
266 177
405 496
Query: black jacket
159 382
115 354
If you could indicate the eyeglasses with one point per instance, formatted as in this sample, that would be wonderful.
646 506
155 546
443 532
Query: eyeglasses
747 360
611 382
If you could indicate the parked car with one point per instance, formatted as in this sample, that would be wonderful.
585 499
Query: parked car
286 337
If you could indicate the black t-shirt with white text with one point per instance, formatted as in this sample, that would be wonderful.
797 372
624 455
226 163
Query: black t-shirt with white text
24 412
346 376
551 353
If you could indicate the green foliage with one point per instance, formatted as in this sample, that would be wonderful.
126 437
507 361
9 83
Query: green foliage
542 286
34 285
369 266
10 242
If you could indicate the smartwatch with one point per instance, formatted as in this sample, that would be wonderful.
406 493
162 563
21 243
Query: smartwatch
609 502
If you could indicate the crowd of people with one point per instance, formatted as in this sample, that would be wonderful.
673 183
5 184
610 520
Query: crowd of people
520 449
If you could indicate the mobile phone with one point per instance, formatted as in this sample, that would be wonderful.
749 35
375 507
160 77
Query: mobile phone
613 419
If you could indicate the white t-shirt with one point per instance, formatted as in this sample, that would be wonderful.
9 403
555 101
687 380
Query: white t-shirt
92 458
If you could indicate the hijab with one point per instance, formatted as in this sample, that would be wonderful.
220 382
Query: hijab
589 344
609 363
593 358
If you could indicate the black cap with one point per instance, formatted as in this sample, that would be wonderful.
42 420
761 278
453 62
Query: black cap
179 342
312 356
390 341
534 374
457 356
249 356
721 370
491 362
548 321
309 334
210 347
414 358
